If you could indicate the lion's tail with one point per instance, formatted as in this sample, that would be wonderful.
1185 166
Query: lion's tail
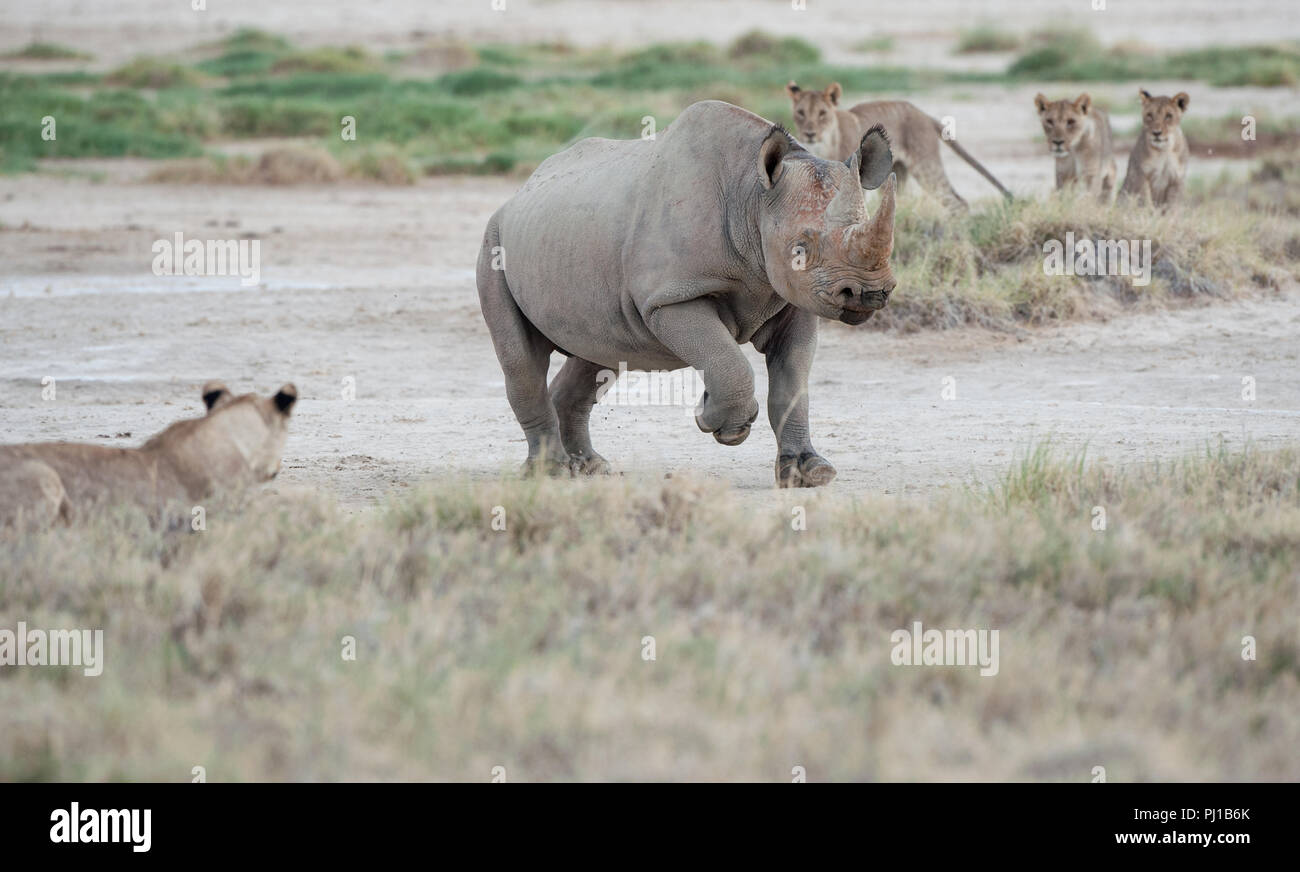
970 159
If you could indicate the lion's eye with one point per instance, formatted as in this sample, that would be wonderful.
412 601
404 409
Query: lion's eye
798 114
1070 122
1169 117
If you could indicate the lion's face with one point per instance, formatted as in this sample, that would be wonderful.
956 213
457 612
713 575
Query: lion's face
814 111
1064 122
1161 117
255 427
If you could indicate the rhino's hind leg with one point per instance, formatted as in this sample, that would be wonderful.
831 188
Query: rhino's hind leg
525 356
573 393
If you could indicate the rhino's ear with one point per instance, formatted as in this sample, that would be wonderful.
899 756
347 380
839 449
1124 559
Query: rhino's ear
873 159
770 154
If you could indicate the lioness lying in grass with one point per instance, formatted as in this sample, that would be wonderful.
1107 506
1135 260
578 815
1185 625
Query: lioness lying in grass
237 443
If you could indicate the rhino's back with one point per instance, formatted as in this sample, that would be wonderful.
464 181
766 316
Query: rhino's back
594 225
563 235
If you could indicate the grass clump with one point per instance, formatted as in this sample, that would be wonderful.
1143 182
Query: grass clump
880 43
1078 56
759 48
47 51
987 267
346 59
987 38
154 73
287 165
477 82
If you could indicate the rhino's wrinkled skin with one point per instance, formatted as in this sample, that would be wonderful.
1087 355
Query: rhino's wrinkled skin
672 252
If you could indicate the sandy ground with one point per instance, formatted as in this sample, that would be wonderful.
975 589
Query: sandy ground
376 285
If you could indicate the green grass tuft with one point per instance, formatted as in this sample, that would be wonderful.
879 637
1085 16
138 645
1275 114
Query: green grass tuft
47 51
987 38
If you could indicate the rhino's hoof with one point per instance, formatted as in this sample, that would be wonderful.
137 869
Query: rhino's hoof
809 469
725 435
589 464
548 466
734 436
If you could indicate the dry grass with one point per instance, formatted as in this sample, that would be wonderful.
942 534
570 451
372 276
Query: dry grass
522 648
290 165
1229 239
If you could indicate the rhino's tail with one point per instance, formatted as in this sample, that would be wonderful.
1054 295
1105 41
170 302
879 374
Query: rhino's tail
970 159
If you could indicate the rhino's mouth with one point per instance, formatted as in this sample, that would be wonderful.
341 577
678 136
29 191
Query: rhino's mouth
855 308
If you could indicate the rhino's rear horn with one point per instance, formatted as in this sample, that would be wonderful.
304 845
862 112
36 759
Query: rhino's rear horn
873 159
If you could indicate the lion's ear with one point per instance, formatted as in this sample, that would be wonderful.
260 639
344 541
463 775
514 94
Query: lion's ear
215 395
1144 94
285 398
1040 103
792 89
1084 103
1182 100
833 92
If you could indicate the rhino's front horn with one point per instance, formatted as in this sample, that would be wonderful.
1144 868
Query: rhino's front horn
879 239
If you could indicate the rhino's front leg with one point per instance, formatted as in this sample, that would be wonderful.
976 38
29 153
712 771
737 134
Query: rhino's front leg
789 343
692 331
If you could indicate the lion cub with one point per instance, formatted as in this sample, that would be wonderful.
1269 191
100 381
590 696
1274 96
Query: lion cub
1078 136
237 443
1157 166
833 133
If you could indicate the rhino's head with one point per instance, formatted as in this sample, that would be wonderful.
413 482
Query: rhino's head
822 251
